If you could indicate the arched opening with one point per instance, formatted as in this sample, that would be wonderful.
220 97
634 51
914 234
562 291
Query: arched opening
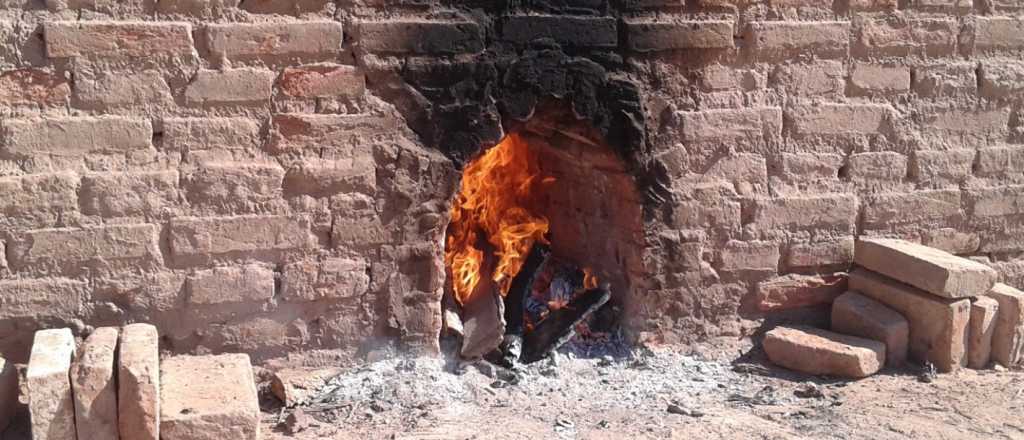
545 223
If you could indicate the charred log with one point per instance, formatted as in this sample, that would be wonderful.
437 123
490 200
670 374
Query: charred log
520 288
560 325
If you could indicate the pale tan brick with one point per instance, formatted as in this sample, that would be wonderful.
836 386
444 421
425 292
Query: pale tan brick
122 39
701 214
1008 335
946 79
421 36
297 133
980 124
35 298
673 33
824 78
75 136
831 211
8 392
901 36
33 87
872 5
839 119
295 7
884 166
197 237
816 351
938 326
869 78
323 80
780 38
297 385
234 187
799 168
717 77
997 201
324 178
243 41
38 199
360 232
829 253
50 402
93 379
937 272
942 166
230 87
192 134
857 315
331 278
1002 78
129 194
951 240
998 33
209 398
249 283
1000 161
738 255
75 248
982 327
196 8
885 209
752 126
147 88
138 380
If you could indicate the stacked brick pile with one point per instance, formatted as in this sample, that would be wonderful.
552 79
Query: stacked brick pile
117 387
907 299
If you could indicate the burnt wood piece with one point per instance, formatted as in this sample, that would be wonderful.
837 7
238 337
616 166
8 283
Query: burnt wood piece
482 314
560 326
520 288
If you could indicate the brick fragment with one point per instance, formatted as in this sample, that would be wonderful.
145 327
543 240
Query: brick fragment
50 402
868 78
982 327
138 378
647 35
942 166
580 31
998 33
73 248
740 255
296 385
858 315
32 87
937 272
1008 335
76 136
198 237
245 41
886 209
8 392
938 326
839 119
35 298
794 291
779 38
209 398
249 283
419 36
129 194
901 36
230 87
95 390
832 211
816 351
322 80
331 278
66 39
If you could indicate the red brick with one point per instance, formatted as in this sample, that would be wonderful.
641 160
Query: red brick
821 352
1008 334
752 126
50 403
839 119
246 41
32 87
74 248
66 39
324 178
42 298
1003 78
780 39
832 211
93 380
647 35
942 166
75 136
998 33
226 236
982 326
883 210
230 87
128 194
145 88
867 78
322 80
209 397
193 134
946 79
249 283
138 380
331 278
884 166
794 291
420 36
934 271
901 36
38 199
580 31
857 315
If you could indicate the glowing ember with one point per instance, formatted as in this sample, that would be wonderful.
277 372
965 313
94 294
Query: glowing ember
494 201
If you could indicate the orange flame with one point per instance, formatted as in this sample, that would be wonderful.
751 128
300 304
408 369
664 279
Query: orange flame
493 200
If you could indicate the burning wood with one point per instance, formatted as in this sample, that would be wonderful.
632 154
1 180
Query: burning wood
560 325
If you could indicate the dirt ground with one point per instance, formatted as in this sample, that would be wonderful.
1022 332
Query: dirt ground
721 390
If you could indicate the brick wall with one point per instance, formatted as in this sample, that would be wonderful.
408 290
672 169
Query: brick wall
257 175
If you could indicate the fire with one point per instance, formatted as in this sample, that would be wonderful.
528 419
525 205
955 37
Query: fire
494 201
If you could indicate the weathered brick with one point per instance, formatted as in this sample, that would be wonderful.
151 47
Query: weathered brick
93 380
857 315
647 35
66 39
138 380
997 201
901 36
937 272
753 255
949 122
779 39
322 80
1003 78
869 78
945 79
753 126
1000 161
816 351
209 397
951 240
948 6
75 136
35 298
825 78
829 253
746 171
998 33
581 31
198 237
800 168
120 90
794 291
230 87
324 178
330 278
245 41
872 5
982 326
297 132
834 211
249 283
50 404
706 214
129 194
884 166
233 187
939 166
37 199
1008 334
76 247
886 209
839 119
421 36
717 77
350 232
294 7
191 134
197 8
32 87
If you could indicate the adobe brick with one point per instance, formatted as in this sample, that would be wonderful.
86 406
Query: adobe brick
322 80
138 380
50 403
951 240
998 33
942 165
955 7
839 119
858 315
754 255
1000 161
421 36
37 298
246 41
868 78
209 397
787 292
201 237
580 31
941 121
295 7
350 232
122 89
872 5
66 39
778 39
230 87
901 36
233 187
297 132
75 136
934 271
802 167
1002 79
882 210
93 380
75 247
816 351
717 77
249 283
331 278
129 194
829 253
32 87
37 199
650 35
720 213
984 311
997 201
192 134
820 78
883 166
835 211
946 79
196 8
1008 335
324 178
751 125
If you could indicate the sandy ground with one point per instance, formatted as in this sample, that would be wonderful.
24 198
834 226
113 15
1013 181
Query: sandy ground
722 390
